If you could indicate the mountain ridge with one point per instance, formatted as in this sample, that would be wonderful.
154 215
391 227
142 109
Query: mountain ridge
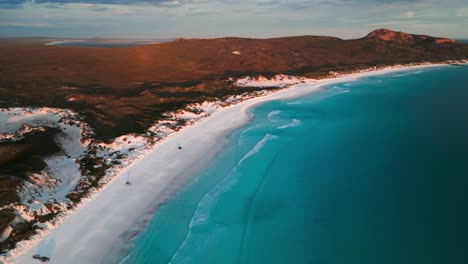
121 91
112 84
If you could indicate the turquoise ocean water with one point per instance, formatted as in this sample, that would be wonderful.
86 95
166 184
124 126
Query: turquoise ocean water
369 171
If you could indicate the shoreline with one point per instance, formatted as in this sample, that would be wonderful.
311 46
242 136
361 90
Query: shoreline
151 186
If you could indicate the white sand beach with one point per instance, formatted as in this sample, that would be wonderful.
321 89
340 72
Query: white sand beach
105 223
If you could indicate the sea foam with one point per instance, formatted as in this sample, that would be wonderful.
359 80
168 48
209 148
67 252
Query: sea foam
202 212
293 123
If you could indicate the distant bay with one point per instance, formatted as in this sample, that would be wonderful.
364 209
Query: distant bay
104 43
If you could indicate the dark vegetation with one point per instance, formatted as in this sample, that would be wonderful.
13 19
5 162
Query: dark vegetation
35 143
126 89
20 158
6 216
21 231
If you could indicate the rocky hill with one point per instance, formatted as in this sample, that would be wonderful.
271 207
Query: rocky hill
122 85
402 38
77 101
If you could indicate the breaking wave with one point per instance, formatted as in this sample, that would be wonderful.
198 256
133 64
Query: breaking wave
293 123
192 241
271 116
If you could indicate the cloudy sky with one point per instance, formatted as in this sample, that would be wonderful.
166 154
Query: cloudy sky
218 18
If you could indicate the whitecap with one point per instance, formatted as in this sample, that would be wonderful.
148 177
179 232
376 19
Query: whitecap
293 123
334 91
342 91
407 73
295 103
192 244
257 147
273 114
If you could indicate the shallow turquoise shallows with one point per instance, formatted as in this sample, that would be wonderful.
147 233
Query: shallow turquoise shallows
370 171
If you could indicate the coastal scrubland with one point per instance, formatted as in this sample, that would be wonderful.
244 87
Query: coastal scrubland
118 91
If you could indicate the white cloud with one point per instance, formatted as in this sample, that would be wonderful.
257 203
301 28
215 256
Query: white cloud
409 14
249 18
462 12
19 24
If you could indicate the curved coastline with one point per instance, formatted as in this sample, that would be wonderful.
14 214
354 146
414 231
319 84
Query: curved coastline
86 237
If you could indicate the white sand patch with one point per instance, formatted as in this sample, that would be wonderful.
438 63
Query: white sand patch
24 119
100 224
62 171
279 80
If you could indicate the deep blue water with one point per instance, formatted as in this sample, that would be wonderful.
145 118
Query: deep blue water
369 171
